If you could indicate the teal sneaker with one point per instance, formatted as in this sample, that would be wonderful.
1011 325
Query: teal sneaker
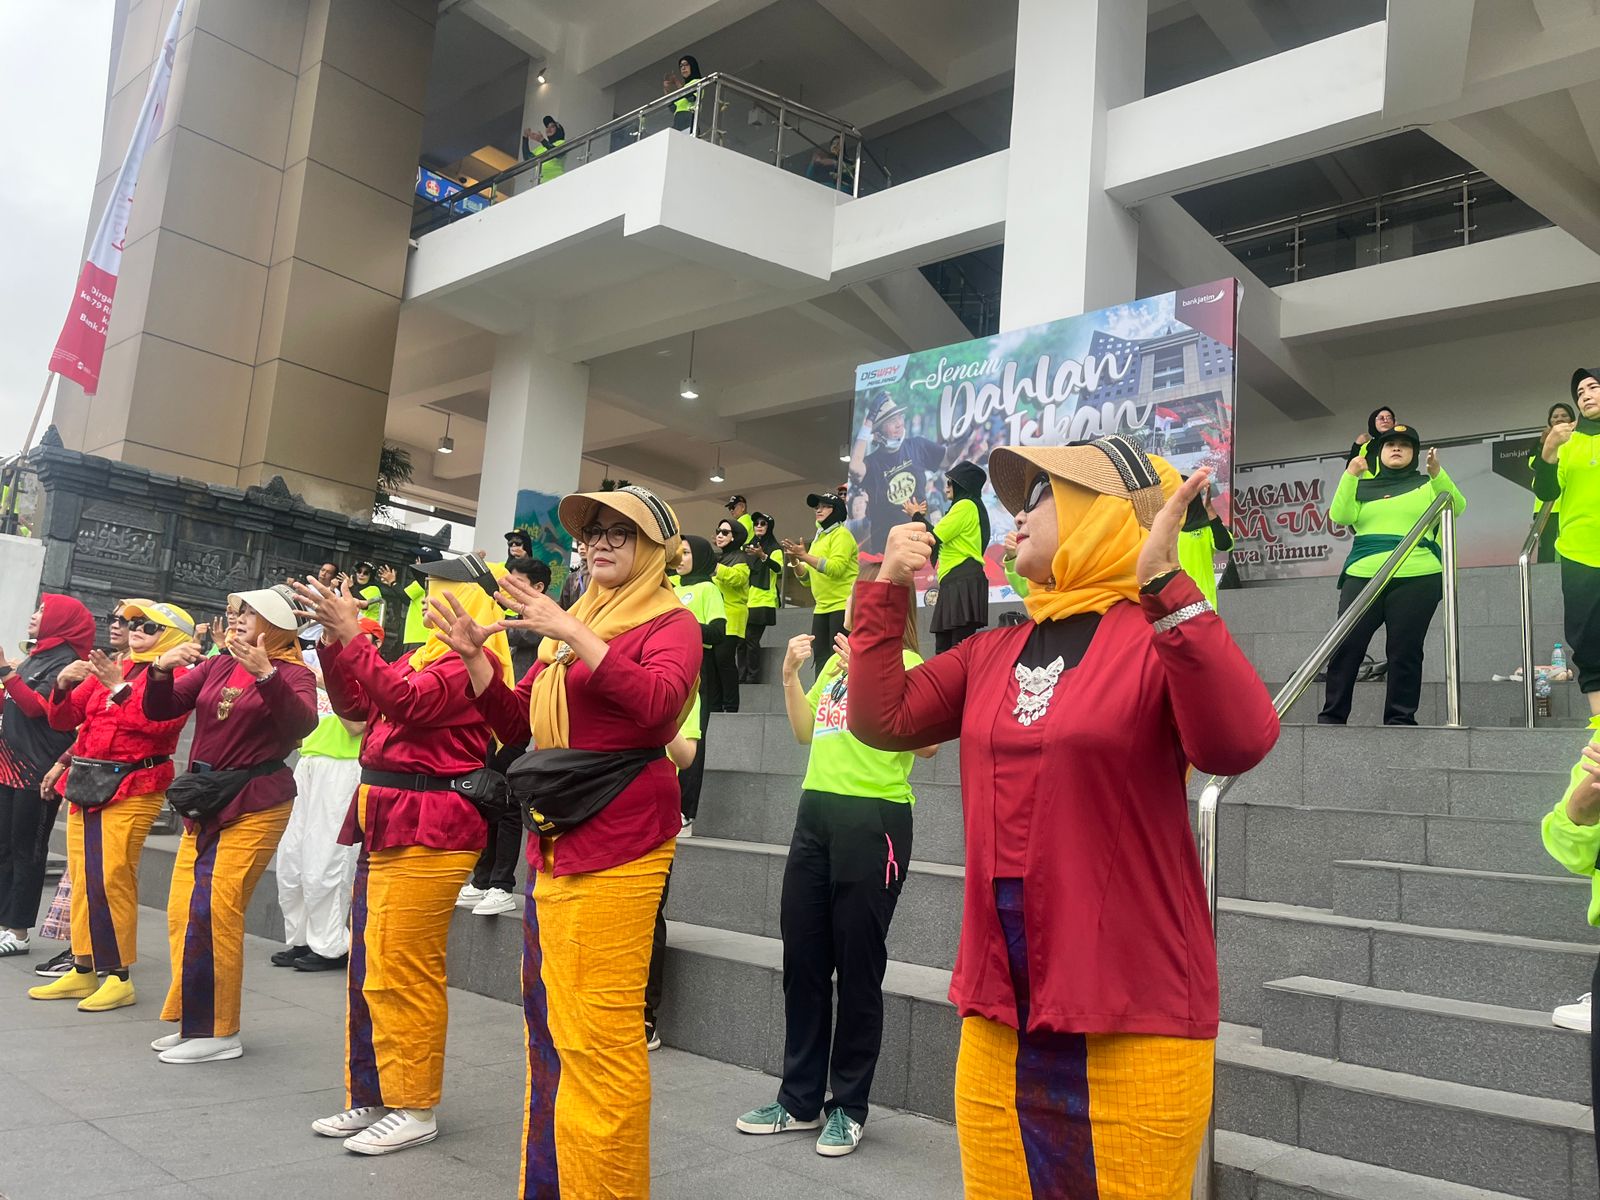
775 1118
840 1136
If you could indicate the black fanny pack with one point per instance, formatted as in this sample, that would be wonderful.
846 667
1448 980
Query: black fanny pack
486 788
560 789
92 782
201 793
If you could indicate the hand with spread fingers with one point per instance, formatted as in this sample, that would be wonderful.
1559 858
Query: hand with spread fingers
387 575
456 628
105 669
536 611
339 615
251 657
1160 552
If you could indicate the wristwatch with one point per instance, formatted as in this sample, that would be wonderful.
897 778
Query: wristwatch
7 671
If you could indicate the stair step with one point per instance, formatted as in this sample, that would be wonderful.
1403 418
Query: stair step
1483 702
1486 1045
1259 942
1250 1168
1526 1146
1476 792
1492 901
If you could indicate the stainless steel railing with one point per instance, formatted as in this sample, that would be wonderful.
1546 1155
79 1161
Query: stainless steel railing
1525 560
1439 511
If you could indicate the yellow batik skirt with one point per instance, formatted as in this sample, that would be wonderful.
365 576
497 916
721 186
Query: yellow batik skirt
103 849
585 959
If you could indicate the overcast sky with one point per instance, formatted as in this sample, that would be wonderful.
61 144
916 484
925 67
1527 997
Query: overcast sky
52 90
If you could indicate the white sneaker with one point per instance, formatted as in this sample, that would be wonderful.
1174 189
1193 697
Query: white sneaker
167 1042
400 1130
686 829
495 901
1574 1015
469 895
350 1121
10 943
201 1050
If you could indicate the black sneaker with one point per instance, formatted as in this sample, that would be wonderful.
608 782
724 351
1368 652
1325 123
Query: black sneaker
288 958
57 966
312 961
652 1039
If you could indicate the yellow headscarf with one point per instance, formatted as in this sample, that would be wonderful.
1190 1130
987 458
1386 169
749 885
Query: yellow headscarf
178 627
609 613
481 607
1096 560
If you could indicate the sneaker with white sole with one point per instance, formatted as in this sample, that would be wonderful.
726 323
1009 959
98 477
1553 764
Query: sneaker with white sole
686 828
495 901
350 1121
652 1037
401 1129
203 1050
469 895
840 1136
58 966
1574 1015
774 1118
11 944
167 1042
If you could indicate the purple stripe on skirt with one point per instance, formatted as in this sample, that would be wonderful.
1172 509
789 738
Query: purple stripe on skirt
199 962
365 1086
102 929
541 1178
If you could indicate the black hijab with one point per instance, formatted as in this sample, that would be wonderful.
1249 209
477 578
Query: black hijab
966 483
734 554
1372 421
761 565
1386 482
836 505
560 135
694 69
702 559
1196 518
1585 424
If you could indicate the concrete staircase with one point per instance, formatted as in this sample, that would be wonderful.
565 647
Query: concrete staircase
1392 936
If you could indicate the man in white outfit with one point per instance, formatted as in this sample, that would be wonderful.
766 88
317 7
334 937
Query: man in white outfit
315 873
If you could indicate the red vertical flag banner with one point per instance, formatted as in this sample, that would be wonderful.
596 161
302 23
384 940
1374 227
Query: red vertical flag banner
82 344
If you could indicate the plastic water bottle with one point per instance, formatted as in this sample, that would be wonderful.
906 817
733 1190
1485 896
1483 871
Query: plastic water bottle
1558 658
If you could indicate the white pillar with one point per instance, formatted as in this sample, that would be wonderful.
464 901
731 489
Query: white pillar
1069 247
534 438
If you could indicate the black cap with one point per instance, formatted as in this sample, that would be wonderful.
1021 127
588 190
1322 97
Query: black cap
428 554
736 499
467 568
1400 433
1580 375
519 535
816 498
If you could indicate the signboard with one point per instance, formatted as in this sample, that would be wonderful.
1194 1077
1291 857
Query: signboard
433 186
1159 371
1280 511
537 517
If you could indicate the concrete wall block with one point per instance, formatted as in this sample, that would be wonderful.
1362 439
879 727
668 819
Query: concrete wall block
931 1064
733 742
927 920
1511 794
1300 1020
1523 749
1541 908
733 805
780 753
937 831
1258 1103
1445 1142
733 1029
1483 968
720 887
1290 852
1366 891
890 1080
1254 947
1488 844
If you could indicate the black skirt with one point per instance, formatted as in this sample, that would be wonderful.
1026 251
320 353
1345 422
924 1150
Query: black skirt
963 601
760 618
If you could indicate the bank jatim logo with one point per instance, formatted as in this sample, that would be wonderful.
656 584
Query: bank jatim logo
1210 309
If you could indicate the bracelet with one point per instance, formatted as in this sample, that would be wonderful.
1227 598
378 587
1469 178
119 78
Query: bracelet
1189 611
262 679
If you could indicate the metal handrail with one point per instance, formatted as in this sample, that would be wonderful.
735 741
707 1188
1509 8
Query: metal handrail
1218 786
437 213
1419 191
1530 550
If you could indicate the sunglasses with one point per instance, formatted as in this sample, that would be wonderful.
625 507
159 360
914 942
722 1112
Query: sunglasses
614 536
150 627
1039 489
116 619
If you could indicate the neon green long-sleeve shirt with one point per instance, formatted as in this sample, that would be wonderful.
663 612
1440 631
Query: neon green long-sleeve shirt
1572 845
1395 516
841 563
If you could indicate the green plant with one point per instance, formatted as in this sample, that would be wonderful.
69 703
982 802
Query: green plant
394 472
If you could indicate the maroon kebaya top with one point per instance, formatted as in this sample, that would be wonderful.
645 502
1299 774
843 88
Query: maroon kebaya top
117 730
266 721
633 701
1118 930
418 723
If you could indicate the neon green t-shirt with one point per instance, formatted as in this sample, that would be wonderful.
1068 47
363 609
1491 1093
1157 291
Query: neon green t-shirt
415 611
735 584
841 563
330 739
704 600
960 536
1197 555
841 764
1579 538
1394 516
374 610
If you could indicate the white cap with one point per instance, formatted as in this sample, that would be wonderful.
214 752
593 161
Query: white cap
275 604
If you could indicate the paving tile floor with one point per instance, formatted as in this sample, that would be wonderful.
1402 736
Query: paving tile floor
87 1110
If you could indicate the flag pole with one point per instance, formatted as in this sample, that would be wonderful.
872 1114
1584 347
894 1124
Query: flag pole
8 511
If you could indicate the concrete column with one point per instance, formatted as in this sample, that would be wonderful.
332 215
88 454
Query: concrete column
1069 247
534 436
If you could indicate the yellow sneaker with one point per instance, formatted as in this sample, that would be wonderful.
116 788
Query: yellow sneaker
74 985
113 993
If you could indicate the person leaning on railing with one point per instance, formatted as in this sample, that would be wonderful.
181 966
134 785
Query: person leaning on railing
1381 508
1567 471
683 106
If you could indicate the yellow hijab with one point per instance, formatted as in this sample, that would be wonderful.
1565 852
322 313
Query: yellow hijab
609 613
481 607
178 627
1096 562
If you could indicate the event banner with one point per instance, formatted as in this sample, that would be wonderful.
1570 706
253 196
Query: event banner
537 516
1280 511
1159 371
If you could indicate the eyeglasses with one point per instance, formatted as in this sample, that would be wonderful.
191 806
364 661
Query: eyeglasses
1037 492
614 536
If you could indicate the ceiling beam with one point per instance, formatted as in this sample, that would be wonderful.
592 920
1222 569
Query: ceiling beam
1505 151
1426 60
904 44
620 38
1586 99
1239 27
1554 13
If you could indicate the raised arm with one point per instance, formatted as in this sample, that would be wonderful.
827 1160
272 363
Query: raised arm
412 698
68 706
345 693
1345 508
291 700
892 708
654 688
168 696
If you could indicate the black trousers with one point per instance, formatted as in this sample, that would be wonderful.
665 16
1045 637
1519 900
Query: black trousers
750 671
25 821
949 639
1547 539
823 628
846 867
1580 602
497 865
720 686
658 955
693 776
1405 608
